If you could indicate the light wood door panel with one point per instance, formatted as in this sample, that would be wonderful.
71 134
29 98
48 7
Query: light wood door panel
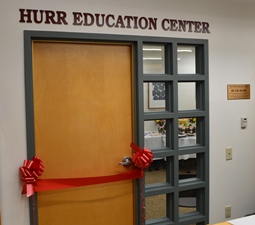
83 120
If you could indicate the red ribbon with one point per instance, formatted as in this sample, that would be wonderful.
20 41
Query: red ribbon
56 184
30 171
142 158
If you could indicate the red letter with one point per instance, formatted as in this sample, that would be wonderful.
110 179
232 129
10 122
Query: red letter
86 19
120 21
107 21
97 19
35 16
205 28
23 15
182 25
163 24
76 18
145 23
50 17
153 22
190 25
197 27
128 21
135 22
61 17
173 25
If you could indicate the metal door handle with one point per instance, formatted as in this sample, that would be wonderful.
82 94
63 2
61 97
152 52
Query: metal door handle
126 161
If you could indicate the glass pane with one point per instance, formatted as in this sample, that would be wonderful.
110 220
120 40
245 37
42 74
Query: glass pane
153 141
186 58
187 141
155 207
154 96
187 132
186 95
187 166
150 128
187 202
156 172
153 59
154 136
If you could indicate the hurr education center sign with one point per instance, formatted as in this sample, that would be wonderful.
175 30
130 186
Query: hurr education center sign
110 20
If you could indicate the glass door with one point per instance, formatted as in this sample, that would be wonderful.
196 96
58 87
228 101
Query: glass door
175 84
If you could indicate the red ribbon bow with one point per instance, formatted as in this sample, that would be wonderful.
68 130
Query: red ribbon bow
142 158
30 171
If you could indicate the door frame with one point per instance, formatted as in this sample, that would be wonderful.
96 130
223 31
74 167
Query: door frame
139 115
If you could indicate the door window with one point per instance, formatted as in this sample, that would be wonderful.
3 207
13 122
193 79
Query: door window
175 129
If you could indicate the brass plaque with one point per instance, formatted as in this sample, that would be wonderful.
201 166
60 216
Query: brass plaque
238 91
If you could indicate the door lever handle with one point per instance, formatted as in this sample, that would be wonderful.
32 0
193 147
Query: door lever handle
126 161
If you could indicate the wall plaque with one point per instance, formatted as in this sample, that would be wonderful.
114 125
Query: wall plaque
238 91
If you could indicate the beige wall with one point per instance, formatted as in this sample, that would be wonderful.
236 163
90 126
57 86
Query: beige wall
231 61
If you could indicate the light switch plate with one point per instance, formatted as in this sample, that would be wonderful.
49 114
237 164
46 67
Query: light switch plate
229 153
228 211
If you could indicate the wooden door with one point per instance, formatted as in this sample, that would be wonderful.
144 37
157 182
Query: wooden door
83 121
